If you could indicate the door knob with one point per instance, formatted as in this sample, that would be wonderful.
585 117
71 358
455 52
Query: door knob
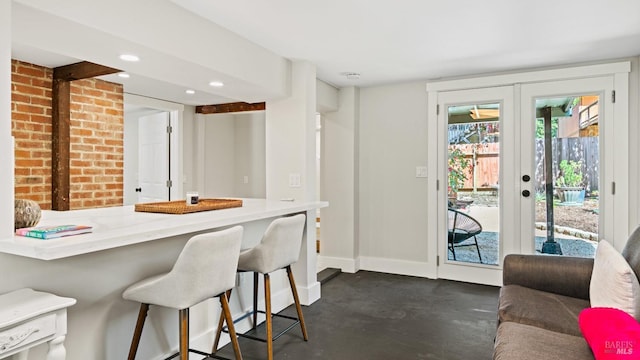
526 178
138 189
526 193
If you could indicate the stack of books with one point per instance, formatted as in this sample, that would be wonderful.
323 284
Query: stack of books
52 232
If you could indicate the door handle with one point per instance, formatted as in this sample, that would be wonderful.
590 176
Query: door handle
138 189
526 193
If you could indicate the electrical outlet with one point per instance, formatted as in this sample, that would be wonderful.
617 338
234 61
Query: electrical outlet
245 179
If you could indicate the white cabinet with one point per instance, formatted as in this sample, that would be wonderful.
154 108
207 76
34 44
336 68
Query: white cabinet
29 318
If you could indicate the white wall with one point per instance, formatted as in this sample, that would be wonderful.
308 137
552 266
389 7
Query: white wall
249 153
338 242
6 142
234 146
390 217
291 137
291 149
219 155
188 131
326 97
392 201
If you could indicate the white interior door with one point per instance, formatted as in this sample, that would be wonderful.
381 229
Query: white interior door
476 222
153 157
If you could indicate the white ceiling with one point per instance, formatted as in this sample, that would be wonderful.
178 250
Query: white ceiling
391 41
394 41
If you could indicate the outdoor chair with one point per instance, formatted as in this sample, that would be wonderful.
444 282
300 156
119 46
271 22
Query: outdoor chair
462 227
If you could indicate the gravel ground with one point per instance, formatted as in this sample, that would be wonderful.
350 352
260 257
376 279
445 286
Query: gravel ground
488 243
583 217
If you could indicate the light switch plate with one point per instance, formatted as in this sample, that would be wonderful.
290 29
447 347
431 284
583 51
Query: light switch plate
294 180
421 171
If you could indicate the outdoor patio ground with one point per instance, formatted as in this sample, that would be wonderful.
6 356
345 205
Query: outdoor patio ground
484 209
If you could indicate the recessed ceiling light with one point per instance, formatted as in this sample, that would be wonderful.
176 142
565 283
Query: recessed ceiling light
352 75
190 92
124 75
129 57
216 84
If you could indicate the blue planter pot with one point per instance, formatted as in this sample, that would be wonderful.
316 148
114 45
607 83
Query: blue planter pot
571 196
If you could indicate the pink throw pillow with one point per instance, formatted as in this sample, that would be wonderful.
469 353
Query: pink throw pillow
611 333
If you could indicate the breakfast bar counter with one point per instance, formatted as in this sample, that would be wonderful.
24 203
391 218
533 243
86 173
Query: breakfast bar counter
122 226
126 246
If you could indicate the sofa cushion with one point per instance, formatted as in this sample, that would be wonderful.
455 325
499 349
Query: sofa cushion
631 251
523 342
613 282
541 309
611 333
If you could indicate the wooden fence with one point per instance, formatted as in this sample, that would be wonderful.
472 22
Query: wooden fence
581 149
485 165
484 173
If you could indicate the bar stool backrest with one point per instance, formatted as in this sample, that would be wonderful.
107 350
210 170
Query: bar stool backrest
279 247
205 268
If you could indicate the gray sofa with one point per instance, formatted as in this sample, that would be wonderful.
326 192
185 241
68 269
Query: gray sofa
540 300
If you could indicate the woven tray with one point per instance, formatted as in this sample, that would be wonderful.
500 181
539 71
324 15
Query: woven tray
181 207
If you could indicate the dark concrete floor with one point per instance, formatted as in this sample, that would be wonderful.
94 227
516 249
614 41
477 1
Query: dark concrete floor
370 316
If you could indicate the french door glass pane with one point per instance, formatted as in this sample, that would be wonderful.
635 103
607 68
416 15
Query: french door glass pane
566 203
473 183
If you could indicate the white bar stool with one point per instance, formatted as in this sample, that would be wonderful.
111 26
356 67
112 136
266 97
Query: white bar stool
205 268
29 318
278 249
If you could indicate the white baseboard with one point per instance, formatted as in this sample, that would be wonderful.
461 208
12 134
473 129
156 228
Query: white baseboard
400 267
308 295
391 266
345 264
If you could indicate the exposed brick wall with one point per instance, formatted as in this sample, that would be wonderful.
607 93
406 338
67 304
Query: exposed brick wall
31 128
97 129
97 147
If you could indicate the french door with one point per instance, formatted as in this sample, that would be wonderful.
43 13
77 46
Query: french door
567 127
476 182
516 161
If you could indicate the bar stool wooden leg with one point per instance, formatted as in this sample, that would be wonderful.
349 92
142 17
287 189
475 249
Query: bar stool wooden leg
216 256
255 300
184 334
216 342
232 331
267 305
296 299
142 315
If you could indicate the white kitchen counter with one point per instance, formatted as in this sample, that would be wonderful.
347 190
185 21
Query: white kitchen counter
127 246
121 226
